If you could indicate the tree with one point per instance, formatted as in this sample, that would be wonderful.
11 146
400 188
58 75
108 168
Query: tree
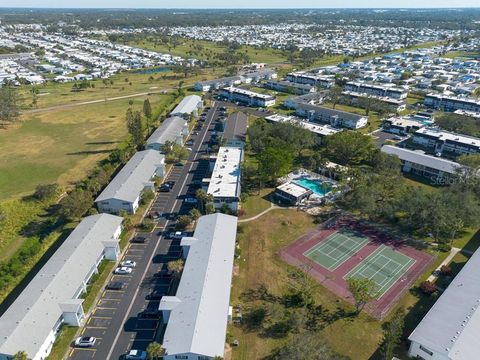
75 204
147 196
47 191
155 351
392 335
9 110
147 111
175 266
306 346
335 94
274 163
20 355
366 103
363 291
203 199
135 127
183 222
195 214
349 148
428 287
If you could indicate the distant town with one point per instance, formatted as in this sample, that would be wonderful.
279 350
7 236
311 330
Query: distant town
250 184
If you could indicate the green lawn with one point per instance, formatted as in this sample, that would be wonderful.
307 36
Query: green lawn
63 341
62 145
53 94
255 204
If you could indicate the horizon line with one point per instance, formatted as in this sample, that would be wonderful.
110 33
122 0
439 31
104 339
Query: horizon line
245 8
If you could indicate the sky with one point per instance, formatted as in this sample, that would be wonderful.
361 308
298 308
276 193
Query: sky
240 3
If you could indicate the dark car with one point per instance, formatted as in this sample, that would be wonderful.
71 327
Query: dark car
114 285
155 295
138 240
170 183
150 314
165 188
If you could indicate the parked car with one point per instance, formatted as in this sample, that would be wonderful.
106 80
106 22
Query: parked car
138 239
123 270
114 285
128 263
155 295
179 163
85 341
176 235
165 188
170 183
136 355
155 215
150 314
190 200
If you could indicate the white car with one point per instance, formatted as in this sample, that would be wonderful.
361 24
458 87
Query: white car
128 264
85 341
136 355
123 270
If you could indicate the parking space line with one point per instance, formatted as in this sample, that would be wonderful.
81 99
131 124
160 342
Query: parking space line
97 327
102 317
105 308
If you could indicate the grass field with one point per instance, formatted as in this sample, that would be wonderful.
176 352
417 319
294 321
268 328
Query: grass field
62 145
255 204
53 94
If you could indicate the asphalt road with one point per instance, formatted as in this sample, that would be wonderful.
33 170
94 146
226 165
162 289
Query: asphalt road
115 319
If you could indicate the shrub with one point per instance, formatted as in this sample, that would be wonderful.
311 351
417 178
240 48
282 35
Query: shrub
428 288
43 192
444 247
445 270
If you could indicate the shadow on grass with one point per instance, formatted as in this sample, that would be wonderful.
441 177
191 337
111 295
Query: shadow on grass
91 152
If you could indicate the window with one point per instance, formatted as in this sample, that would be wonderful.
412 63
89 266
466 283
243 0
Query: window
181 357
426 350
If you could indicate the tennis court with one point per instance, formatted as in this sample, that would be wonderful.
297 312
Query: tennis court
336 249
384 267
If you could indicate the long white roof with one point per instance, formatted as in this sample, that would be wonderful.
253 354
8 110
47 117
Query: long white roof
420 158
130 181
452 325
29 320
188 105
225 180
170 129
199 311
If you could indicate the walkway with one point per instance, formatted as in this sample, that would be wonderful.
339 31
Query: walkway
272 207
454 251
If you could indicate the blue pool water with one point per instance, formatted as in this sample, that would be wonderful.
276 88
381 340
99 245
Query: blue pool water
319 188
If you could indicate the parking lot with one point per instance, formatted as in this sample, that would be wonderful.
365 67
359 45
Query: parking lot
126 319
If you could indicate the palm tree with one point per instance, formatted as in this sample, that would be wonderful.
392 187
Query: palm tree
175 267
21 355
155 351
203 199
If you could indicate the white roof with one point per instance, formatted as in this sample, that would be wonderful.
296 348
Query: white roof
452 326
419 157
293 189
318 129
29 320
249 93
188 105
170 129
130 181
199 311
449 136
225 180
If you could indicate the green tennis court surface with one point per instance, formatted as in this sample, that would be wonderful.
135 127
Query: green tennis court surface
336 249
384 267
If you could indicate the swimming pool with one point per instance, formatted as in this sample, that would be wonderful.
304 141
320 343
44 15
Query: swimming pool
317 186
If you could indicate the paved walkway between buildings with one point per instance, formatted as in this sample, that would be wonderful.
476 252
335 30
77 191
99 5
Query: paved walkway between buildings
272 207
454 251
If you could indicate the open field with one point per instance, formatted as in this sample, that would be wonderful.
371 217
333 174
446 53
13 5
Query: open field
62 145
207 50
124 84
